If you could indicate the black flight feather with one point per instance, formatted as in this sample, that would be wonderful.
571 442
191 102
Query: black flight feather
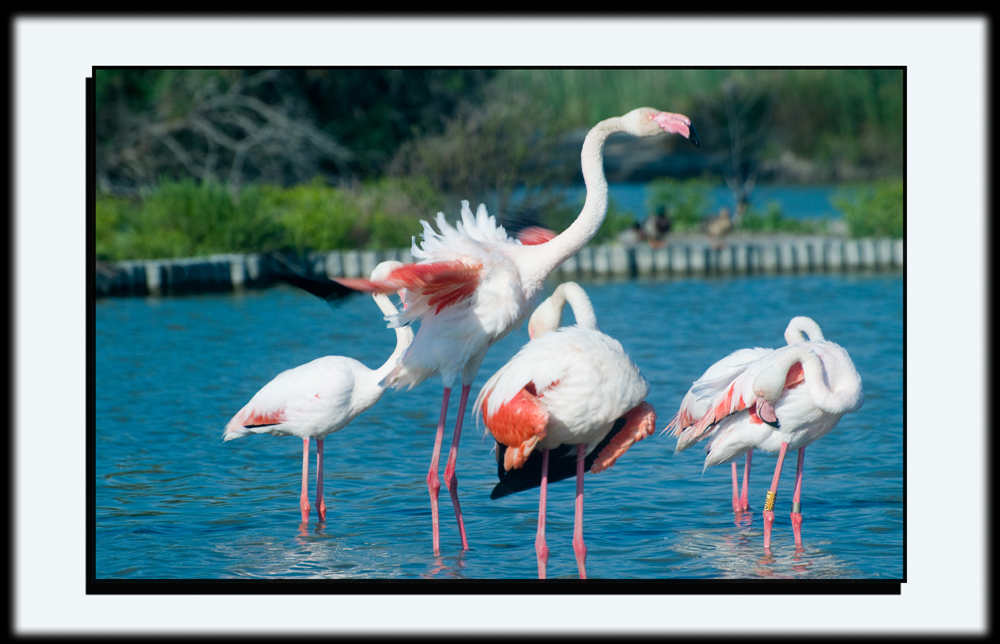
562 465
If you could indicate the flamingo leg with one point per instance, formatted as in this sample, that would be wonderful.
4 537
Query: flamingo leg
433 484
736 495
744 499
578 546
540 548
450 478
304 499
320 505
769 503
796 499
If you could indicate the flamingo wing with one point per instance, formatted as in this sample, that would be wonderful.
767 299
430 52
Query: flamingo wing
534 235
635 425
640 423
325 289
517 425
310 400
562 465
435 285
720 391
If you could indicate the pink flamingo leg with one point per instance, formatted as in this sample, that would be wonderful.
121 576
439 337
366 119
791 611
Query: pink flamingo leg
578 546
744 499
736 496
796 499
450 478
320 505
433 485
768 507
304 499
540 548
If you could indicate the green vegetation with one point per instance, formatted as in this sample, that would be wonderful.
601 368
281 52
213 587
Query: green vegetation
193 162
873 210
185 219
773 221
686 201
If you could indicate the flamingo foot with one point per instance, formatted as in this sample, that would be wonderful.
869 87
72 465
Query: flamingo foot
304 506
768 521
797 527
321 511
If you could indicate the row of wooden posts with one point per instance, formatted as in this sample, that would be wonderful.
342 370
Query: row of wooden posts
679 258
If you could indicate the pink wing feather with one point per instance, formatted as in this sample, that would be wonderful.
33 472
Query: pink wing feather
437 284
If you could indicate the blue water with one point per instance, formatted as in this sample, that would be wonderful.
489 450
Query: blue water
175 502
795 201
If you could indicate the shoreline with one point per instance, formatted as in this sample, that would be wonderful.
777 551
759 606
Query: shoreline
684 255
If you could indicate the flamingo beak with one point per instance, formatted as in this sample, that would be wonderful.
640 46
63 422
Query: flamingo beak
765 411
677 124
694 136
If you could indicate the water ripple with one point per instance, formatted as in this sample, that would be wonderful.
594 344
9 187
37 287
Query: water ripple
175 502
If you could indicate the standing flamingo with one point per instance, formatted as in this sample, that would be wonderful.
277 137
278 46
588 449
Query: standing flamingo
318 398
765 407
474 284
714 382
574 386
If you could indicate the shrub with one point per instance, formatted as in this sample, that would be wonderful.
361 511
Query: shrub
179 219
186 219
773 221
874 210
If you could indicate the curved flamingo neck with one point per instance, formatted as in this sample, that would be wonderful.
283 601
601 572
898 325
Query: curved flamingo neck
800 327
816 381
404 336
546 257
583 310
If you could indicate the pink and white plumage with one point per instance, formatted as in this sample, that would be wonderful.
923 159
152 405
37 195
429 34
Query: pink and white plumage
474 284
318 398
785 398
570 386
690 425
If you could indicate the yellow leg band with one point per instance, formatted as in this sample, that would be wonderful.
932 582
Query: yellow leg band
769 501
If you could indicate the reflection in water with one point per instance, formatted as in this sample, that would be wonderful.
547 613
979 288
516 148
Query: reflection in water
741 555
175 502
454 572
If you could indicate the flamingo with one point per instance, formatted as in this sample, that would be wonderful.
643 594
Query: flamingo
714 382
764 406
570 390
474 283
318 398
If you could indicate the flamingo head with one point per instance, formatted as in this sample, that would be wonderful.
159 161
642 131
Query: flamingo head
767 387
646 121
547 317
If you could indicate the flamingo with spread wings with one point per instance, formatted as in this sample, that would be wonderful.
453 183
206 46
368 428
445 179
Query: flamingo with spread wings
569 391
474 284
318 398
783 399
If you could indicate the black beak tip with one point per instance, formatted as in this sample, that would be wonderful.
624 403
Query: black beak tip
694 136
